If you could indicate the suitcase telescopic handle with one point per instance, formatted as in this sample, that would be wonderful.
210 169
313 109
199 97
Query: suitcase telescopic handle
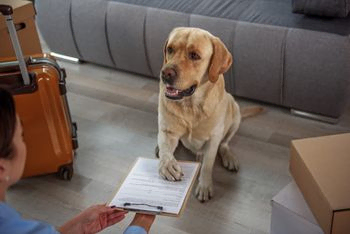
7 12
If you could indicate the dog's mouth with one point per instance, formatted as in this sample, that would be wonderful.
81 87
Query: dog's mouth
177 94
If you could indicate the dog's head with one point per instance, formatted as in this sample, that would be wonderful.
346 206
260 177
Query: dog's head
192 57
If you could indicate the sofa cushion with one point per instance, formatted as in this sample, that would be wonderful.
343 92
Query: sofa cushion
330 8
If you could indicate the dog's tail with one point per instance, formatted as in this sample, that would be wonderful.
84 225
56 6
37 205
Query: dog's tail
250 111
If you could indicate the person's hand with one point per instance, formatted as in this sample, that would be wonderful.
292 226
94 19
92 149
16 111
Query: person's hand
143 220
93 220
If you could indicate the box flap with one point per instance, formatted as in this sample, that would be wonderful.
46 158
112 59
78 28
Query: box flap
290 214
328 160
21 11
291 198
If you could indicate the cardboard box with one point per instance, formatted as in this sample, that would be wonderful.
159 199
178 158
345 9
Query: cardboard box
321 169
24 19
290 214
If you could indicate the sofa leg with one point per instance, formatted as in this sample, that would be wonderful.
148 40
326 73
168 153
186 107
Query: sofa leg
65 57
314 116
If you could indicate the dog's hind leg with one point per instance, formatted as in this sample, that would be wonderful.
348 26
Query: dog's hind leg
229 161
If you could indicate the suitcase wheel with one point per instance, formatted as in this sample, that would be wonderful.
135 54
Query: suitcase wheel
75 144
66 172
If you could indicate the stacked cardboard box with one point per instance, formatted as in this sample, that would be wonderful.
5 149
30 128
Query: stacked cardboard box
24 19
321 169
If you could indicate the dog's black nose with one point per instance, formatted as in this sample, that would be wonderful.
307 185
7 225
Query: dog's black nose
168 75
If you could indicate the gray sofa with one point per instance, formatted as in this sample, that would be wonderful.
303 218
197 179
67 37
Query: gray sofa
280 57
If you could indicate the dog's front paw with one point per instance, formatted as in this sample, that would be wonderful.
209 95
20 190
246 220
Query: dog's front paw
169 169
204 191
229 161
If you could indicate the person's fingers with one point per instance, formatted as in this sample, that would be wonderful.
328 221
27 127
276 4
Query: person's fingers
107 209
100 206
114 220
96 209
116 211
99 210
116 214
96 212
103 220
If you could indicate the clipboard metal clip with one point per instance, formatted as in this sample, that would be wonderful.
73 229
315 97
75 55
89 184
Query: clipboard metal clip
160 208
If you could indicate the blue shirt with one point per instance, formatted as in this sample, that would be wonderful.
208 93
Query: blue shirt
11 222
135 230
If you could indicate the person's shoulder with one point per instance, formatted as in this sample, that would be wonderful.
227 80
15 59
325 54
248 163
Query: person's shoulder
12 222
7 212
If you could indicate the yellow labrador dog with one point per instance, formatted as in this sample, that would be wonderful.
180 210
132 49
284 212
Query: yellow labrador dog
194 107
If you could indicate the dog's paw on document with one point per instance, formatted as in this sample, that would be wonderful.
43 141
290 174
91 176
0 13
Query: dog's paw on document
169 169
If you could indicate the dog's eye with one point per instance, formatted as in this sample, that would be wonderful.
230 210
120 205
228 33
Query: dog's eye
194 56
170 50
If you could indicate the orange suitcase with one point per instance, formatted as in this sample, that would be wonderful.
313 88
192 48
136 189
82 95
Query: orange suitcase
38 85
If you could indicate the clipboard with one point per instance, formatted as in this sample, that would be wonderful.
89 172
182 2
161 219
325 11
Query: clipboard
160 185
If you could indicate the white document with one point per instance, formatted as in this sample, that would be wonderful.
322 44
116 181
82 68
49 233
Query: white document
145 190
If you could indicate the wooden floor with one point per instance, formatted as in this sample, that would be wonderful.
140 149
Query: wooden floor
116 114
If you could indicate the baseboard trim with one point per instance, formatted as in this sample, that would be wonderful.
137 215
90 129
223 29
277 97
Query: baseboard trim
65 57
314 116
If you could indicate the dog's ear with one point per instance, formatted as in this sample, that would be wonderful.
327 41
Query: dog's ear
164 52
221 60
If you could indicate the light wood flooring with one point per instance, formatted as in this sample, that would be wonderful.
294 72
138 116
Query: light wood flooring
116 114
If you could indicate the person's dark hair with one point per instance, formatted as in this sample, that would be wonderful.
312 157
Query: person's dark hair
7 123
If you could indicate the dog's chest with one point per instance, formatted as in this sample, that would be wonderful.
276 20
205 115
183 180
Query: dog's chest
192 144
198 122
194 139
198 131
